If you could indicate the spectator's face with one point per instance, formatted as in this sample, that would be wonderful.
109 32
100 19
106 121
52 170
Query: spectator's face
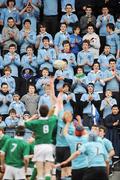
29 51
42 29
66 47
12 49
90 29
79 71
77 30
107 49
11 23
90 89
105 10
7 73
11 4
88 11
63 27
29 9
46 42
66 88
108 93
85 46
4 88
16 97
115 110
27 25
68 9
45 73
108 29
13 115
112 65
31 89
96 67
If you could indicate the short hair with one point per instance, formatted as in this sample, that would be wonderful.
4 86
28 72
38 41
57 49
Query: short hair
42 25
4 83
112 60
27 20
10 18
115 105
92 25
45 38
12 45
45 68
111 26
67 84
63 23
65 42
103 127
20 131
68 5
44 110
11 1
7 68
96 63
106 45
86 41
12 111
30 46
75 27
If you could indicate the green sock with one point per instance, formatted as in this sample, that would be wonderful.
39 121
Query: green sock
34 174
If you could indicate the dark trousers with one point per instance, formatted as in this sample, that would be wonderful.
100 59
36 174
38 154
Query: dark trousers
78 174
96 173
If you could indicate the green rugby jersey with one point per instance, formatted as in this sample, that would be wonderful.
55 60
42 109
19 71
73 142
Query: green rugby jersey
42 129
15 150
3 140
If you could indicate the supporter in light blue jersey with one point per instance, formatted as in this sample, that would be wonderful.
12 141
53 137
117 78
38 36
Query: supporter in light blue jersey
42 33
107 103
12 59
46 55
96 76
113 40
63 75
10 11
85 57
67 54
29 60
104 58
32 13
112 79
60 37
69 18
103 20
11 123
17 105
42 81
27 36
7 78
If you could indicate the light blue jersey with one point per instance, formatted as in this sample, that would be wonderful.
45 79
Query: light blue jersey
60 138
75 143
95 152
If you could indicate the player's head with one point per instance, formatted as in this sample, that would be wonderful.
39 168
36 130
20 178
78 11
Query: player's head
79 130
20 131
44 110
92 137
102 131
